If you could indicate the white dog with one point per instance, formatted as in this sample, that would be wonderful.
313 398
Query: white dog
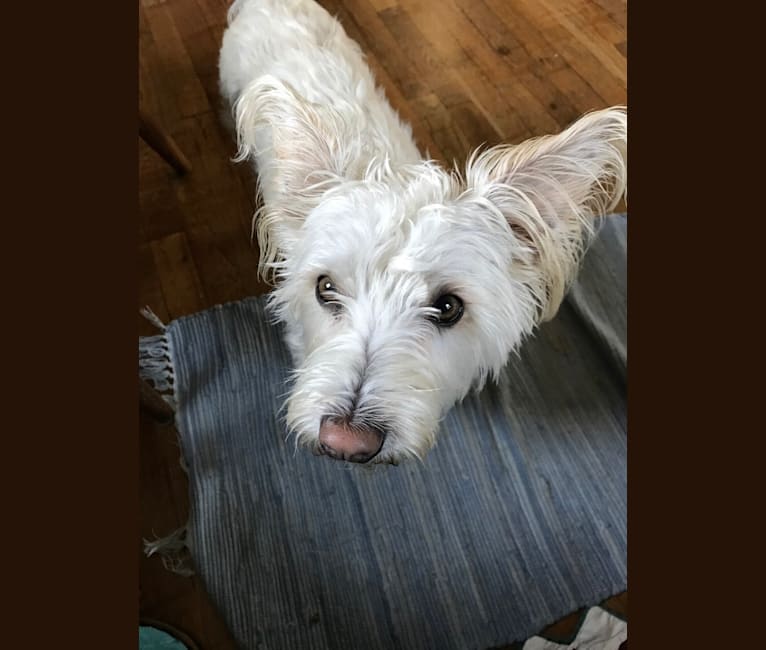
400 285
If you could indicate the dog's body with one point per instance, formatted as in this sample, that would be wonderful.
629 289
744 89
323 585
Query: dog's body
400 285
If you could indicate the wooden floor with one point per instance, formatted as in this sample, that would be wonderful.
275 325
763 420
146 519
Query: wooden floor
463 72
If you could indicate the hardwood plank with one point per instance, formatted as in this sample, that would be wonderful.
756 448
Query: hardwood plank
534 51
408 75
477 124
578 55
438 122
613 10
422 135
381 5
608 30
200 26
490 77
528 74
611 90
179 282
477 112
589 38
582 98
173 68
218 207
149 291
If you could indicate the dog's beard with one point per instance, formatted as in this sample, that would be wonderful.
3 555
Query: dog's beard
385 382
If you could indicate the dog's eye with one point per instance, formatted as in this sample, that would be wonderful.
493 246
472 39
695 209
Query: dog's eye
450 309
326 291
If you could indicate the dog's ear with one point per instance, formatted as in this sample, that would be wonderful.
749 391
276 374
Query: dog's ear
297 146
550 190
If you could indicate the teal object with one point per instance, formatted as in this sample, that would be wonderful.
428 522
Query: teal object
150 638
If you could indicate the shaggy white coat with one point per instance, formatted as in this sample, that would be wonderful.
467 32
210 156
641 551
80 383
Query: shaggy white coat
347 194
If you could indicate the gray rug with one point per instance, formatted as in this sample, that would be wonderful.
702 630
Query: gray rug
516 518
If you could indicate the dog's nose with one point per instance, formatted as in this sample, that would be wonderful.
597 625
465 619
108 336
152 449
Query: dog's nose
355 444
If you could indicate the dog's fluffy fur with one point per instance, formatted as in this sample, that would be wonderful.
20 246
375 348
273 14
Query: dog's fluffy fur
347 194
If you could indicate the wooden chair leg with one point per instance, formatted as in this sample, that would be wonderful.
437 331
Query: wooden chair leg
151 402
162 143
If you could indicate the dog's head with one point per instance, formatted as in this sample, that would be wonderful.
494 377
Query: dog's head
402 288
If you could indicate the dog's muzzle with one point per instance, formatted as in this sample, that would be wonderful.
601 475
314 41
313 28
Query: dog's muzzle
356 444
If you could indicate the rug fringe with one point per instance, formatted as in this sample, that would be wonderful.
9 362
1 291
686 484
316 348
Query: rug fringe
173 550
149 315
155 365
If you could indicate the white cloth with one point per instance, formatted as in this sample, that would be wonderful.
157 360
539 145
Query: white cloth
600 631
